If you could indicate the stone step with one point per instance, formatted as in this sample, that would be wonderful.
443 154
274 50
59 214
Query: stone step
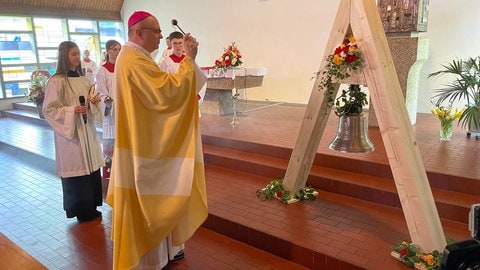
451 204
28 112
30 115
366 181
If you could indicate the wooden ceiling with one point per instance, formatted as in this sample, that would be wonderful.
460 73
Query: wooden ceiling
79 9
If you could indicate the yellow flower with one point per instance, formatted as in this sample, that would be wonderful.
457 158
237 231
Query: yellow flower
458 113
446 113
338 60
429 259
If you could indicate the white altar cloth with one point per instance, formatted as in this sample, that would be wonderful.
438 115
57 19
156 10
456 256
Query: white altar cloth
237 71
218 98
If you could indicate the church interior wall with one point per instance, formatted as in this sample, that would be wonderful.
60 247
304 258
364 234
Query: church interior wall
289 38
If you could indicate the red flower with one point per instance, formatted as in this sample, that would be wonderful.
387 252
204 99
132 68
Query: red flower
279 194
338 50
230 58
403 252
350 58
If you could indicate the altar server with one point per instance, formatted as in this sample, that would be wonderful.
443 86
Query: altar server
89 66
105 86
71 107
171 62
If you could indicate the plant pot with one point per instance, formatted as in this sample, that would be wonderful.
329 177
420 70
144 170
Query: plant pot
474 128
40 110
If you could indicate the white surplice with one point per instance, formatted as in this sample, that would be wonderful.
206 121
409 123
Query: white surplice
77 148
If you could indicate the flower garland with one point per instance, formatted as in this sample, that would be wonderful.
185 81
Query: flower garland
37 89
411 256
346 58
275 189
231 57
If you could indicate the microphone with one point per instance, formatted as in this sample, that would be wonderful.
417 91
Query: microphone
82 102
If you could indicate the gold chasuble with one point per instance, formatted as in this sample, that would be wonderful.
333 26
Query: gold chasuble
157 184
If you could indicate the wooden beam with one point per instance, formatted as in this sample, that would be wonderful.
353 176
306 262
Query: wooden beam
400 143
317 112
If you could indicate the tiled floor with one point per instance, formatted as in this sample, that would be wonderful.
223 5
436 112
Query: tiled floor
31 214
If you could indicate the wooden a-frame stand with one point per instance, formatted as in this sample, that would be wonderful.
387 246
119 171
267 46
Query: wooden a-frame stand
361 17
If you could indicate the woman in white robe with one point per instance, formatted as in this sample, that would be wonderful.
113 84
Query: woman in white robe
78 152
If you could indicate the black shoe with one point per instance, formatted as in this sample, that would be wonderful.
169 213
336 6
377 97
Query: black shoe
180 255
82 219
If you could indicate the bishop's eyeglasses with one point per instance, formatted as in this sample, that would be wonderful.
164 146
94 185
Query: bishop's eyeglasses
155 31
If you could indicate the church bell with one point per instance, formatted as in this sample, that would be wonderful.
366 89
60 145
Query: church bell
352 135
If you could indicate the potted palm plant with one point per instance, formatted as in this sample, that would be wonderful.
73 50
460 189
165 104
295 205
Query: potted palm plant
465 87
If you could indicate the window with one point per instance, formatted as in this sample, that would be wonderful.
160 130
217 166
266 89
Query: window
17 49
20 23
30 43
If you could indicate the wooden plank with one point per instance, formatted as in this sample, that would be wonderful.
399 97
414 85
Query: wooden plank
14 257
316 113
400 144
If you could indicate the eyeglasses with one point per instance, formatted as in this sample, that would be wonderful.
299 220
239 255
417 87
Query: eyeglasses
156 31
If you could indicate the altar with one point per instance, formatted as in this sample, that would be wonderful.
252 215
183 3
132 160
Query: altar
222 87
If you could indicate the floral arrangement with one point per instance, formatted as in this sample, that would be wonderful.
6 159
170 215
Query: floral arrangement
275 189
411 256
231 57
446 116
346 59
37 89
347 54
